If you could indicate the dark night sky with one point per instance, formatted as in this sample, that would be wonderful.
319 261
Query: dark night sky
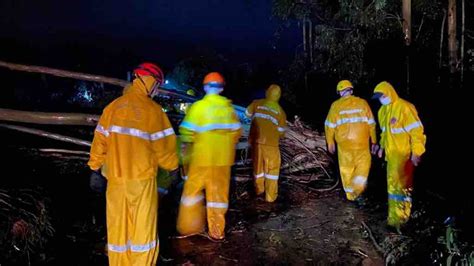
157 30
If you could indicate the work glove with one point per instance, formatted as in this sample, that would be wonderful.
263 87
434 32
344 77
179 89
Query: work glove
415 159
175 179
332 149
374 149
380 152
97 182
184 149
162 192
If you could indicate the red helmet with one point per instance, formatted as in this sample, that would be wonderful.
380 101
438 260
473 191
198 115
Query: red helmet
149 69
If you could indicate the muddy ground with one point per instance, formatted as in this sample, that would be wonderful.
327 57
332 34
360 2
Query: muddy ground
302 227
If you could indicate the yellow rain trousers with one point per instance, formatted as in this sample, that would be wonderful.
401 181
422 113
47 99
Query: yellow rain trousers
402 135
350 124
133 138
266 167
213 128
268 126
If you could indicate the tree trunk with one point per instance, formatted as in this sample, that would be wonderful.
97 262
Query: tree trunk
63 73
463 19
305 48
407 21
406 10
452 41
83 76
441 39
48 118
65 151
310 31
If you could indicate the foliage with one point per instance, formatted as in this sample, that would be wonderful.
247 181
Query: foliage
190 71
343 29
25 224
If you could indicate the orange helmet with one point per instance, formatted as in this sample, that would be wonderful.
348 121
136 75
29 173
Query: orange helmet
214 79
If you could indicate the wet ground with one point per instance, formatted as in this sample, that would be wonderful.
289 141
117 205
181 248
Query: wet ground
302 227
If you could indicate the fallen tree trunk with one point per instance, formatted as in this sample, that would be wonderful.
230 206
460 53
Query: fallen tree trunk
48 134
48 118
64 73
66 157
83 76
65 151
43 118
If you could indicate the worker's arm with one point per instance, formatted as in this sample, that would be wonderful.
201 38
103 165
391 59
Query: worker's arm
163 142
190 125
98 150
282 127
250 110
372 124
414 127
383 134
237 132
330 129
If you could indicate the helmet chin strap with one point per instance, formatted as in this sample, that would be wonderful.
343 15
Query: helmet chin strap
144 85
152 93
346 92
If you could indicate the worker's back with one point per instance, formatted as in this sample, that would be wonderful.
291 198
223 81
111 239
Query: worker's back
213 126
136 133
352 121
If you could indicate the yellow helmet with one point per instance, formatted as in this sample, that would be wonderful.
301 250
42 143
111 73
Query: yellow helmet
344 84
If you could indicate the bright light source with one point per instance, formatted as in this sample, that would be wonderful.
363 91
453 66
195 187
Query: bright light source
166 81
87 96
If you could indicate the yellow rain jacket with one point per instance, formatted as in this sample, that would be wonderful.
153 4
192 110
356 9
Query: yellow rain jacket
268 118
133 138
350 123
402 135
213 128
268 126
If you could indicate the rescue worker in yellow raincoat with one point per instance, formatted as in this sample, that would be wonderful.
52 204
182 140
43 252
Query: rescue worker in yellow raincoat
350 124
132 139
403 141
212 128
268 126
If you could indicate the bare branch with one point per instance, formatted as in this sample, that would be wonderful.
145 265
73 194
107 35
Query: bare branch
419 28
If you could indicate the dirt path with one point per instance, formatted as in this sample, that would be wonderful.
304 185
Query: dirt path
301 228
